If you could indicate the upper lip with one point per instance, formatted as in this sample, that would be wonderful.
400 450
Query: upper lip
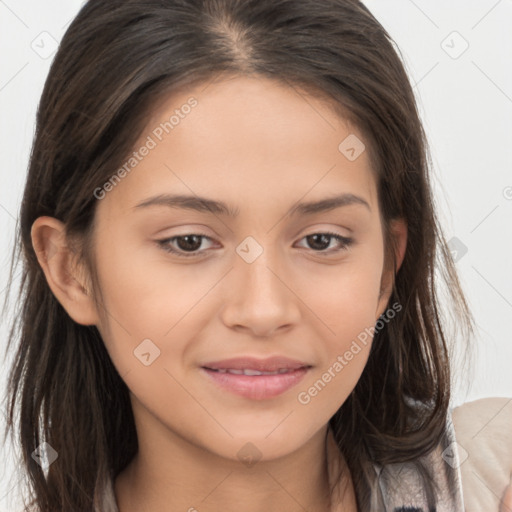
269 364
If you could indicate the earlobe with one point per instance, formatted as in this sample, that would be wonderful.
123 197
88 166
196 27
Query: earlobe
57 261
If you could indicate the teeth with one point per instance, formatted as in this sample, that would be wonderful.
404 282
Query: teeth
256 372
252 372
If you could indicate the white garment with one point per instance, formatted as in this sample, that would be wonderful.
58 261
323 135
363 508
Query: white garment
484 439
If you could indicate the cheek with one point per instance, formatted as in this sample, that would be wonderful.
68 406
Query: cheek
331 383
346 301
140 289
344 296
147 298
349 312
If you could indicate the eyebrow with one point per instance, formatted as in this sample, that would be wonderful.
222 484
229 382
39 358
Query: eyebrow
203 204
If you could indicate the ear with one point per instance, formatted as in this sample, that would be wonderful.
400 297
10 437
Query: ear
58 261
398 229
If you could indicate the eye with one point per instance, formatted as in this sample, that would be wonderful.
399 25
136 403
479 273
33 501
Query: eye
324 240
189 244
186 244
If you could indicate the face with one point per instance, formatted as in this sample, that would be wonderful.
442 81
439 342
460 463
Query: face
184 286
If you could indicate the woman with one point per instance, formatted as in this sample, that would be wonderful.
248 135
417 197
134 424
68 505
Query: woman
299 360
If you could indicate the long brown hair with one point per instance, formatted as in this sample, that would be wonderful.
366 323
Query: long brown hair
116 61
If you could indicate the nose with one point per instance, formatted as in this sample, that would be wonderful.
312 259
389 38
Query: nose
260 298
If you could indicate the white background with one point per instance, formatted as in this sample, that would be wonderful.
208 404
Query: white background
465 103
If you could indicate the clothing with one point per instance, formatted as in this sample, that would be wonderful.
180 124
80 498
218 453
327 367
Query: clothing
400 487
484 441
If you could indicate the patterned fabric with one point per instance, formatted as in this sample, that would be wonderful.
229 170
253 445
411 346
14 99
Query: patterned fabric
400 486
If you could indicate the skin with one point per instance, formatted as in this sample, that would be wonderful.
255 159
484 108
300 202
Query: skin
260 147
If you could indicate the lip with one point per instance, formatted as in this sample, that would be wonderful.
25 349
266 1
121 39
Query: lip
256 387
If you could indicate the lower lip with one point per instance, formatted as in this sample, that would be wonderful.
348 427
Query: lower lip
257 387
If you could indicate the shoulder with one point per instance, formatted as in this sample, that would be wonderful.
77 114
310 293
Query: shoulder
483 431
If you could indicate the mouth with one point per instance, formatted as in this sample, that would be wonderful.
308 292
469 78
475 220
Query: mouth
255 384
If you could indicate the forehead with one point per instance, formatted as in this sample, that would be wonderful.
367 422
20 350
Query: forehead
245 140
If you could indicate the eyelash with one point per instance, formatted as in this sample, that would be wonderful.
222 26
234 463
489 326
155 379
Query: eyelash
164 244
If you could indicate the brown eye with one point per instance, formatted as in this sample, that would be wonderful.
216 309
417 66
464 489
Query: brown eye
187 245
191 242
319 242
